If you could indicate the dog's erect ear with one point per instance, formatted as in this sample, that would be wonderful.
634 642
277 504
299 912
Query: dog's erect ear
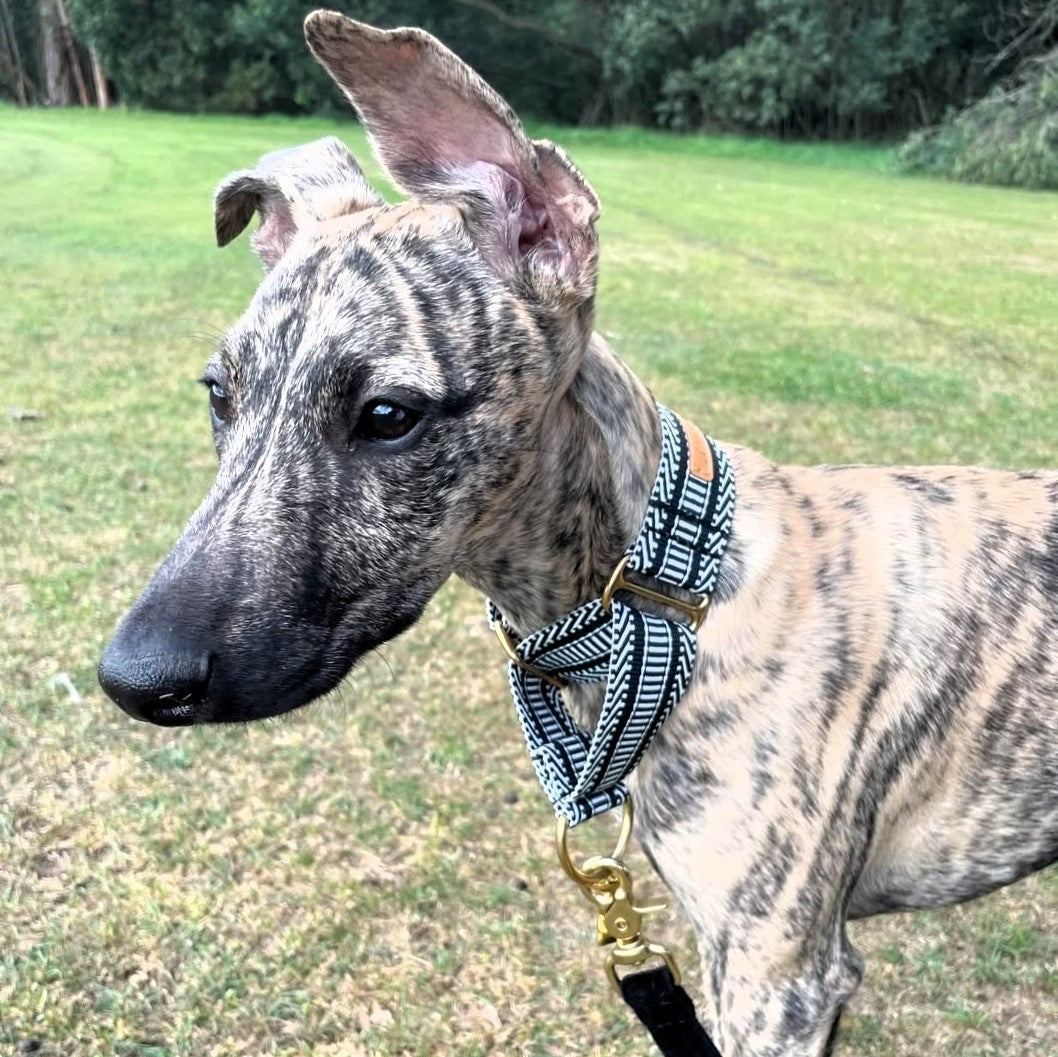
290 189
443 133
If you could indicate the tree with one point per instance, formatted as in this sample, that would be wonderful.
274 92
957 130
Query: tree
804 68
12 72
41 60
1010 136
69 47
57 88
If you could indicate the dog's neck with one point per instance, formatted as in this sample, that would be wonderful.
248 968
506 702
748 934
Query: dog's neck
580 502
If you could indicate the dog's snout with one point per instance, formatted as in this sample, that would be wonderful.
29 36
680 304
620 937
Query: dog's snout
156 684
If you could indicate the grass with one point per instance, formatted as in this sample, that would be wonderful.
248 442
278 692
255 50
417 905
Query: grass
332 884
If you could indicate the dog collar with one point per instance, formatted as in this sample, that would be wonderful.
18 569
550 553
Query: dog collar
646 660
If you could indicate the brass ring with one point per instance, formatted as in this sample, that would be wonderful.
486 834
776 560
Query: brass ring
512 655
596 874
616 581
693 611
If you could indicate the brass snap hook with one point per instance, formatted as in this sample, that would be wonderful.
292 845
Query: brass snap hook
606 883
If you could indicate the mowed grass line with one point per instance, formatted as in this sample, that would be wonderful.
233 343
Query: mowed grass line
374 875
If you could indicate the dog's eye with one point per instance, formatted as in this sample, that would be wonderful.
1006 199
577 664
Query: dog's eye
219 401
385 420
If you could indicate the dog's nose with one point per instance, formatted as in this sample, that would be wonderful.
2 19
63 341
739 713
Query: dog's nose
157 686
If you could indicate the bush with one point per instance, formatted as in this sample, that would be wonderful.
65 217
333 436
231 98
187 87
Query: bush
828 68
1009 137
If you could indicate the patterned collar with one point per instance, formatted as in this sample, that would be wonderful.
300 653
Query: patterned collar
646 660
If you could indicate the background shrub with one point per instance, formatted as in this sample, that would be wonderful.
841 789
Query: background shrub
1009 137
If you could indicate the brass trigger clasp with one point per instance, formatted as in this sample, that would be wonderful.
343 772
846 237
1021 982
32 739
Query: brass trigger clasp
606 882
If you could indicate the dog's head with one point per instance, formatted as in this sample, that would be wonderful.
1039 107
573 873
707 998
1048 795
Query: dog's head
378 397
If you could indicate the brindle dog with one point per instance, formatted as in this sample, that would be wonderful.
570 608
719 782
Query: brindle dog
871 724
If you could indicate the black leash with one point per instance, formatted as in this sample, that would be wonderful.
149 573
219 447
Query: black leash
665 1009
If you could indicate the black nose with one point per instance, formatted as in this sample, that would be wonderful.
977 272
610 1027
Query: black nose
155 684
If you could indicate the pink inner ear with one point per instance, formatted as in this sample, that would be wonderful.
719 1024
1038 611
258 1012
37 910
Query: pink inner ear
442 133
536 226
277 230
523 213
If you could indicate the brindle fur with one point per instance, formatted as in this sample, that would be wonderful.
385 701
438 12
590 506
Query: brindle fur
871 725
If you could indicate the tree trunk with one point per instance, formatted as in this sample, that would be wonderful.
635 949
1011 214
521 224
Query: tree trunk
56 82
18 75
102 96
71 52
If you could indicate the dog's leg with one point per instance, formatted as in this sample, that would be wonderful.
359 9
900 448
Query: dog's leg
768 994
777 965
771 995
828 1050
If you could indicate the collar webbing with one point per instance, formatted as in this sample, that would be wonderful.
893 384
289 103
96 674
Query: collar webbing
645 659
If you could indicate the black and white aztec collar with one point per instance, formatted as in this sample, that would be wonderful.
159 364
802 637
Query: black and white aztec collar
646 660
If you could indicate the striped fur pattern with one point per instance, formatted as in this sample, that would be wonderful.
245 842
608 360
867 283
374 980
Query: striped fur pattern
871 722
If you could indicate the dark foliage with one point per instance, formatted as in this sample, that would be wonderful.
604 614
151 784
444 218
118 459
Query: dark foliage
248 56
1011 135
835 69
832 68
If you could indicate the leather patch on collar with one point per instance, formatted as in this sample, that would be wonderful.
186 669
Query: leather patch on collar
701 458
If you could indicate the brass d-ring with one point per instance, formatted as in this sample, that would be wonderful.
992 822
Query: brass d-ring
693 611
592 876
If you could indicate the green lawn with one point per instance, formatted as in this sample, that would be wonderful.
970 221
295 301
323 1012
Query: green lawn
330 883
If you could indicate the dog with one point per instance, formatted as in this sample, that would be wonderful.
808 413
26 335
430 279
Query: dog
416 390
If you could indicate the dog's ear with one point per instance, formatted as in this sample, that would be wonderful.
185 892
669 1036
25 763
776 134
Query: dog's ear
443 133
290 189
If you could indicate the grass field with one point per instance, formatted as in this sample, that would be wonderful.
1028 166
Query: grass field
331 884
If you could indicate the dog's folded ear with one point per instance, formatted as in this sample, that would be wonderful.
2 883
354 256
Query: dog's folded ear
443 133
290 189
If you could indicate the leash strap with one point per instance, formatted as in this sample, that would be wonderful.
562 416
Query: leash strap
667 1012
645 659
